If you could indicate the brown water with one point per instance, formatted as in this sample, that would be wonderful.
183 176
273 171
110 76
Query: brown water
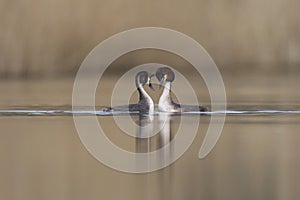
256 156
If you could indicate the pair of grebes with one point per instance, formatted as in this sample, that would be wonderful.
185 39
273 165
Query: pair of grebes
165 77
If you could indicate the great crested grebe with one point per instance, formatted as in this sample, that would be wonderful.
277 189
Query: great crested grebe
165 77
145 104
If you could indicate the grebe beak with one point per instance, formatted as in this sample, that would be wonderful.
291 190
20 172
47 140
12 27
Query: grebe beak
162 81
150 84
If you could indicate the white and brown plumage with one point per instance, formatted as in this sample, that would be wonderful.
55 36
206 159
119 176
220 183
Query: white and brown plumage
165 77
145 104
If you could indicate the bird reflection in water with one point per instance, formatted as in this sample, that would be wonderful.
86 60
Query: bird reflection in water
161 140
146 139
144 132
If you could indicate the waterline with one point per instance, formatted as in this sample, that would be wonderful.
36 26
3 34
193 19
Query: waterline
84 110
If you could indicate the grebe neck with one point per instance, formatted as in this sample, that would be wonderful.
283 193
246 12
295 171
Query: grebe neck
145 96
165 100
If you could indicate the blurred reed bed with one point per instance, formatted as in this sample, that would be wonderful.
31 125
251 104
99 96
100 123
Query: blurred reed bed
51 38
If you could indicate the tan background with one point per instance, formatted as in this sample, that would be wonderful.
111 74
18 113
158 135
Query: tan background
256 157
51 38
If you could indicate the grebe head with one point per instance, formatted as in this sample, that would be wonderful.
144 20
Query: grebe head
143 78
164 74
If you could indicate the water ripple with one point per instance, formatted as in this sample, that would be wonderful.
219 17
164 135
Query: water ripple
67 111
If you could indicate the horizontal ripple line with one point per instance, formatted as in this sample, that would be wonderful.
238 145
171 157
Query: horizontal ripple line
24 112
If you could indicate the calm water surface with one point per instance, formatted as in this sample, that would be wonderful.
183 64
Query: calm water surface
256 156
